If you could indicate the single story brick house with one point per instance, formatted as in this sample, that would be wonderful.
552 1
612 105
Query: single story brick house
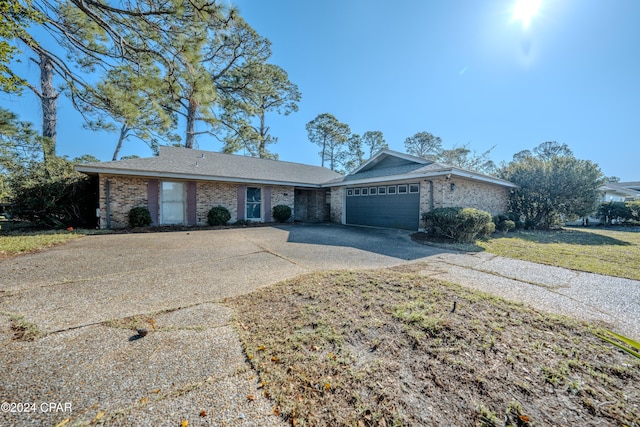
392 189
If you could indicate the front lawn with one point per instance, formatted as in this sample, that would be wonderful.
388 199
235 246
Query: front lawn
387 347
15 242
603 251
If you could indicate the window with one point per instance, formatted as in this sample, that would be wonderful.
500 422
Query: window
414 188
349 192
253 204
173 203
391 189
373 191
356 191
382 190
402 189
364 191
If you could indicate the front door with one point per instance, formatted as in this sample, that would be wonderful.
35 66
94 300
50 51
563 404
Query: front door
173 203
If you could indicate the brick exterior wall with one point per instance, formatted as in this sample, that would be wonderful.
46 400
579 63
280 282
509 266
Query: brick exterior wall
211 194
283 195
127 192
337 198
467 194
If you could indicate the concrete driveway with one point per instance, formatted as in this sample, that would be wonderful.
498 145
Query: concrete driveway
98 278
191 366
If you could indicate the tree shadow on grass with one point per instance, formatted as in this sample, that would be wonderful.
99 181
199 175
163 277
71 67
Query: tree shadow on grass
444 243
570 237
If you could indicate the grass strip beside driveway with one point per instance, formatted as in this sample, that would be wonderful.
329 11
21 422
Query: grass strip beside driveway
15 243
387 347
608 252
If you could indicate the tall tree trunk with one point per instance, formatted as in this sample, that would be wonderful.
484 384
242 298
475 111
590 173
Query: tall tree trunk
123 134
262 145
191 122
48 100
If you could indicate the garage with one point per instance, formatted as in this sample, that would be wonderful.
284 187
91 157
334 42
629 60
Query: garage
389 206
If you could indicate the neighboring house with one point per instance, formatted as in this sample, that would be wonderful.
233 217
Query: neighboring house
392 189
620 191
612 192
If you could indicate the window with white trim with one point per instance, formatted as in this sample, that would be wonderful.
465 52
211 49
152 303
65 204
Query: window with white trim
172 199
402 189
414 188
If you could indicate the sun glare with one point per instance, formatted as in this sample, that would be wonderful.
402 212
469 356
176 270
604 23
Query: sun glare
525 10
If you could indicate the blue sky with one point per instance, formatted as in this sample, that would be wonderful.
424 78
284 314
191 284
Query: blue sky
462 70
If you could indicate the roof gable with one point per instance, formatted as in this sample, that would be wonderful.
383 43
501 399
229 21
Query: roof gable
384 159
388 165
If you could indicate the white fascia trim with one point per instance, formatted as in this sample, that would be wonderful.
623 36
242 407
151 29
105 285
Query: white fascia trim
442 172
194 177
461 173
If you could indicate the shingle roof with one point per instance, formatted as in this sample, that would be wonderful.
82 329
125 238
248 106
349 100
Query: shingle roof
410 167
178 162
621 188
186 163
635 185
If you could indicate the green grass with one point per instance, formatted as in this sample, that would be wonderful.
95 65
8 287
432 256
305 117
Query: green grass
15 243
609 252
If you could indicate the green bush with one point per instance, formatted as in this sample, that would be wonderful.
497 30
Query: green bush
139 217
459 224
516 218
53 195
281 213
218 215
488 229
503 223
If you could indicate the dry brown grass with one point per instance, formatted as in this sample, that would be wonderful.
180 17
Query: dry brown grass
384 348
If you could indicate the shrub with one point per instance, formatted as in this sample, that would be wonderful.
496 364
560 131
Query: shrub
488 229
281 213
459 224
516 218
218 215
139 217
503 223
53 195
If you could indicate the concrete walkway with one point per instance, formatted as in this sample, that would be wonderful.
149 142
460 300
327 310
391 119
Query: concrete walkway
86 293
586 296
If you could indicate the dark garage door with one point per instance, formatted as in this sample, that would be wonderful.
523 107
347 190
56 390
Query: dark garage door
389 206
